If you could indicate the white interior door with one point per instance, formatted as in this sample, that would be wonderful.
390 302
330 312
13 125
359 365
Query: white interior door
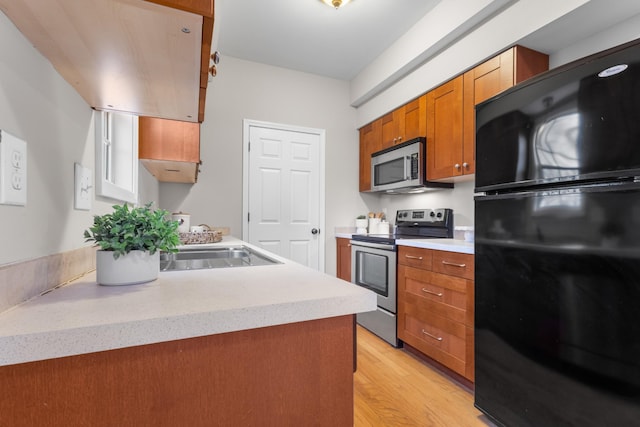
284 205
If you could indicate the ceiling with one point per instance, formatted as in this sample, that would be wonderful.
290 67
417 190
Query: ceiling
309 36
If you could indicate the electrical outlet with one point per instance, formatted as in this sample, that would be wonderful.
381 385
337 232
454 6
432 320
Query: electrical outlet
13 170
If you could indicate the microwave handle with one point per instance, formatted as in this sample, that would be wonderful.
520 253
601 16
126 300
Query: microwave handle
407 168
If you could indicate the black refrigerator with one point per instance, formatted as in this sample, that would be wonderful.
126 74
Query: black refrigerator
557 247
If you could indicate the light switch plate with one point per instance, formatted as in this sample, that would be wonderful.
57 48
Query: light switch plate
13 170
82 187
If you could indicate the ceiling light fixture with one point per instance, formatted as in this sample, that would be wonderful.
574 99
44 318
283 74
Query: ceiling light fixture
336 3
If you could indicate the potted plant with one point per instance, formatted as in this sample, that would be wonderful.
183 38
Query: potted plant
130 241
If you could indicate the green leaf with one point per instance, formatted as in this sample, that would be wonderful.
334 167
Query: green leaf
139 228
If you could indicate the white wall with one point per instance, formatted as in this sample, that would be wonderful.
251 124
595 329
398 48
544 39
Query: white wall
486 39
623 32
37 105
247 90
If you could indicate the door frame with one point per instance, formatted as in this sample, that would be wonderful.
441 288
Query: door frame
246 124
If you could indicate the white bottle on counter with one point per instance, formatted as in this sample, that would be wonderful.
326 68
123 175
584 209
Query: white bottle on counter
383 227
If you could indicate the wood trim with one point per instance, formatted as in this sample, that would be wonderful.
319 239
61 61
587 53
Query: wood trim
296 374
200 7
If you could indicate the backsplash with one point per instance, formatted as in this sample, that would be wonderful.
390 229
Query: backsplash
24 280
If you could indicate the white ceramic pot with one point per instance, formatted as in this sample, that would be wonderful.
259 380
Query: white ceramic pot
184 221
129 269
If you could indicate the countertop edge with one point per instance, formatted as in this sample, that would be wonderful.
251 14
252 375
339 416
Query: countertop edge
35 336
96 338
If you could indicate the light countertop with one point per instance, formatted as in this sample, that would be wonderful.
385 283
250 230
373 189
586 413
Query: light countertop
451 245
83 317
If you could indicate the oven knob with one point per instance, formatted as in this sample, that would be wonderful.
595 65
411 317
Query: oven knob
439 215
432 214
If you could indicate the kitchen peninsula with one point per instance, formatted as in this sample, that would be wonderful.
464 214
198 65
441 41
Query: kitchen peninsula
228 346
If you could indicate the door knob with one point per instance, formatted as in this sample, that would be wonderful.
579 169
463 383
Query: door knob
315 231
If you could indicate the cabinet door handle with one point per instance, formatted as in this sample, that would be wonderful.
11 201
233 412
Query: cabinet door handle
465 165
431 336
399 138
419 258
453 264
427 291
457 166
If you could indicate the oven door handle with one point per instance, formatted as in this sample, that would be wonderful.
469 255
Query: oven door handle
382 246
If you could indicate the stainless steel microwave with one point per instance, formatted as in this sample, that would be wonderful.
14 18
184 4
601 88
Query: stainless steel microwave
401 169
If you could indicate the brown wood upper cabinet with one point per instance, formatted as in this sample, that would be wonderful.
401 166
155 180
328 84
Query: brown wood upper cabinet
444 130
169 149
370 142
489 79
446 116
451 109
404 123
125 42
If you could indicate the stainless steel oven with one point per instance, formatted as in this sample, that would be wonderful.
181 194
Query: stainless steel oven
373 266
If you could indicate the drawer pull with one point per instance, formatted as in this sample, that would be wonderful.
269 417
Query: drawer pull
419 258
431 336
427 291
453 264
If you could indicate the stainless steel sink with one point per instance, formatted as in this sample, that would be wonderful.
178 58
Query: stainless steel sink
201 258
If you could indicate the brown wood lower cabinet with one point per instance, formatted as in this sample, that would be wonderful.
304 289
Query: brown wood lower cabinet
435 306
299 374
343 265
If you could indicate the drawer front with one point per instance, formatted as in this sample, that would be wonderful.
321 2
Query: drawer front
443 346
415 257
422 288
453 264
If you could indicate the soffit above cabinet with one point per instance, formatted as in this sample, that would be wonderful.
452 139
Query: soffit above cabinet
124 55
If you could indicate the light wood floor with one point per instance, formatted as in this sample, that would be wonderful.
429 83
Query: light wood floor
394 388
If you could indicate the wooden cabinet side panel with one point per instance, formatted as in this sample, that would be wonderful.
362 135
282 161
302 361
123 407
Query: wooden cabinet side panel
296 374
370 142
343 267
469 123
528 63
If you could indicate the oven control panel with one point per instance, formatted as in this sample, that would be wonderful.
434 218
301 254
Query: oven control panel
418 216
